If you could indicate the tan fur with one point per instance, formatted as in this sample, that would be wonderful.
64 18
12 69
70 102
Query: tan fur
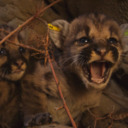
9 108
44 97
40 93
3 60
13 64
14 51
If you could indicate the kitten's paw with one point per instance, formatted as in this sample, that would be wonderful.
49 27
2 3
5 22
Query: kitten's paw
42 118
38 119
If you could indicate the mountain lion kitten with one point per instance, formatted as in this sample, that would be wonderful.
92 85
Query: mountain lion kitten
13 64
89 50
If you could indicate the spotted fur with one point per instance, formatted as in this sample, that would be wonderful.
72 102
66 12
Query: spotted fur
13 64
89 49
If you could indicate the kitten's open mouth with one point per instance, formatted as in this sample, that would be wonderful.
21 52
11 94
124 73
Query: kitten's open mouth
98 71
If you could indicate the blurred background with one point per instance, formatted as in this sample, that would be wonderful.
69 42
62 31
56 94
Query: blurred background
14 12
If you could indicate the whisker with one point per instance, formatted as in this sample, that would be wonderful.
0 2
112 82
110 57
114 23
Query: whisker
4 72
66 60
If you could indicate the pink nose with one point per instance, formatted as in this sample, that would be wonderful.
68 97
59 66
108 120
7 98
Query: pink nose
19 62
102 51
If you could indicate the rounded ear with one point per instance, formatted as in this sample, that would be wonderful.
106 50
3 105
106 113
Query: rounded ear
59 36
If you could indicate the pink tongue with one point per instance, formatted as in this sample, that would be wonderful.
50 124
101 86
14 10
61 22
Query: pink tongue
97 70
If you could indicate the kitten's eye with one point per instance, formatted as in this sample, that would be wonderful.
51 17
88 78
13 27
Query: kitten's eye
3 51
112 40
83 40
22 50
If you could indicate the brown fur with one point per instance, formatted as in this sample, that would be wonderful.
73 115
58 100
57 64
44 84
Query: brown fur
13 64
41 95
83 43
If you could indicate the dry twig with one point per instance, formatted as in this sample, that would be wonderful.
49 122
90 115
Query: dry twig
60 92
96 118
38 13
113 117
28 21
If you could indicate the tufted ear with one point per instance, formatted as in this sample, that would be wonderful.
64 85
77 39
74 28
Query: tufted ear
58 36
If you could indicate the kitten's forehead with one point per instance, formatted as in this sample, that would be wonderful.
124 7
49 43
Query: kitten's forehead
95 26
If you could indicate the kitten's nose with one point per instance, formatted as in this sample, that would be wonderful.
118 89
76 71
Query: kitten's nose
100 50
19 63
103 51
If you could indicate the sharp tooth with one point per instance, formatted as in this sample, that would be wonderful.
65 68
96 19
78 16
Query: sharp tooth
97 80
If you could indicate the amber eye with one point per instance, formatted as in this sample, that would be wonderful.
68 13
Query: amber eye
112 40
3 51
22 50
83 40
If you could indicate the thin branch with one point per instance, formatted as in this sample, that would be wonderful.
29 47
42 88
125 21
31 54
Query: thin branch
49 59
61 94
58 108
58 85
96 118
28 21
27 46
